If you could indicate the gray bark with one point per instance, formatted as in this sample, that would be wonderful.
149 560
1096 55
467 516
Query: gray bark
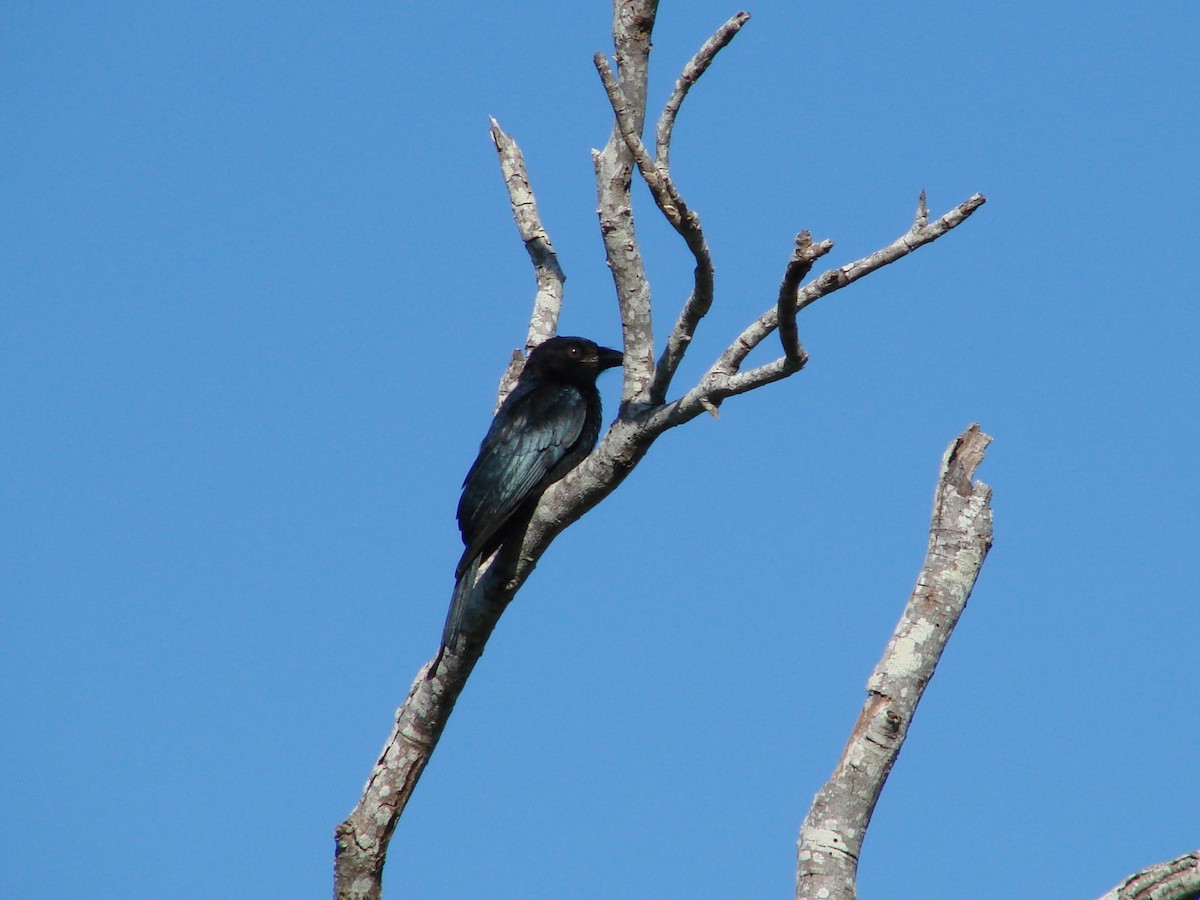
960 535
1175 879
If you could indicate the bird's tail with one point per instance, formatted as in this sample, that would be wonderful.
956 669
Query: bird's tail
463 588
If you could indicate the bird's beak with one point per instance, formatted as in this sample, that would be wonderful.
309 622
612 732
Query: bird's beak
606 358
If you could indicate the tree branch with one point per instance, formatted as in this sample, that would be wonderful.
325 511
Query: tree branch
683 219
661 186
801 263
724 378
690 75
547 305
960 536
918 235
700 301
656 173
1175 879
633 23
362 839
547 302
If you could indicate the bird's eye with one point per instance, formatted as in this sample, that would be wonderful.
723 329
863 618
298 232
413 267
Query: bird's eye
574 349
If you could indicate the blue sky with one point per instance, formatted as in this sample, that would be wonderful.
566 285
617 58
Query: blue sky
260 280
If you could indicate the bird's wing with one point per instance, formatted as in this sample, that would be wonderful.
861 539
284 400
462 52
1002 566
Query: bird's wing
533 431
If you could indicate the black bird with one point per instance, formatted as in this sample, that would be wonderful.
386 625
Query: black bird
543 429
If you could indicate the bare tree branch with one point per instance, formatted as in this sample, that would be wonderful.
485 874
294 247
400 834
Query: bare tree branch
633 23
656 173
835 279
960 535
661 187
798 266
1175 879
362 839
543 324
690 75
683 219
547 303
724 378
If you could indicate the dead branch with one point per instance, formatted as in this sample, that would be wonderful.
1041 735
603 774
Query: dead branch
633 23
1175 879
960 536
684 220
724 378
547 305
695 67
801 263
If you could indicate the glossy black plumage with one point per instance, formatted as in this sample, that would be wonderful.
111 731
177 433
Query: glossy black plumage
545 427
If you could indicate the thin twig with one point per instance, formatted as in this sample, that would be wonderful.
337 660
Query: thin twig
921 219
960 535
700 301
690 75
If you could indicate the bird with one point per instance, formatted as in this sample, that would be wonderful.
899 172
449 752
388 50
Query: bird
544 428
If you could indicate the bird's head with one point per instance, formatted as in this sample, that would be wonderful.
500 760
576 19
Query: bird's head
571 358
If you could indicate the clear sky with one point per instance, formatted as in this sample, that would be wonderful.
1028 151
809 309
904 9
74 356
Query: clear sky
259 282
